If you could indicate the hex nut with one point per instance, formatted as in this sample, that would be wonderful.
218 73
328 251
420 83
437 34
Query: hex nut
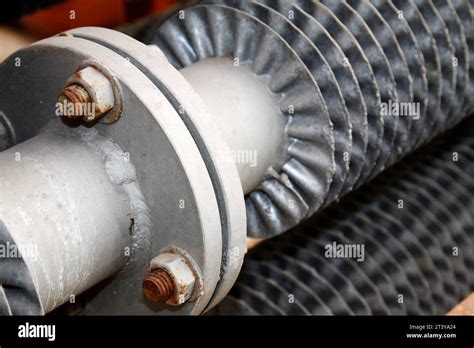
180 271
99 88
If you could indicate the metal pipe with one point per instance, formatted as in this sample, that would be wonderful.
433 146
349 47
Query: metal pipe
246 112
63 206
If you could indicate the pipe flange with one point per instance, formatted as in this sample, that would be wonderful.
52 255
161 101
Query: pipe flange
195 115
153 134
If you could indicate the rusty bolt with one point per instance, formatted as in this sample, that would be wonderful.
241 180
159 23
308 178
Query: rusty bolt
170 280
158 286
90 93
74 94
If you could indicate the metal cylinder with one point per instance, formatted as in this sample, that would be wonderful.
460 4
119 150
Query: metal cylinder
246 112
65 210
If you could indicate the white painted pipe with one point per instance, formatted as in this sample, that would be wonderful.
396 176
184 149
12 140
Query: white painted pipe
245 111
62 203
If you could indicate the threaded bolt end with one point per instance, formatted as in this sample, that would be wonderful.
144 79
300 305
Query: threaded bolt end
158 286
77 95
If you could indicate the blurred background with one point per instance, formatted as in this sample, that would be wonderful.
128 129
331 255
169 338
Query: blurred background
26 21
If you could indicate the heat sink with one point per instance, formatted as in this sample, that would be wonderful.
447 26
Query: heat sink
360 85
415 222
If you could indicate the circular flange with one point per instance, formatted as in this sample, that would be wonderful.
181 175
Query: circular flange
193 112
170 167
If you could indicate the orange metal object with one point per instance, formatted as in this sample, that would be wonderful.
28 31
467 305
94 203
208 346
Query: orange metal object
78 13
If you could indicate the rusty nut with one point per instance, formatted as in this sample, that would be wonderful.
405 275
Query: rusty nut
96 86
182 275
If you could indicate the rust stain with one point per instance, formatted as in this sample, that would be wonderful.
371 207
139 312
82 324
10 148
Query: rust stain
158 286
